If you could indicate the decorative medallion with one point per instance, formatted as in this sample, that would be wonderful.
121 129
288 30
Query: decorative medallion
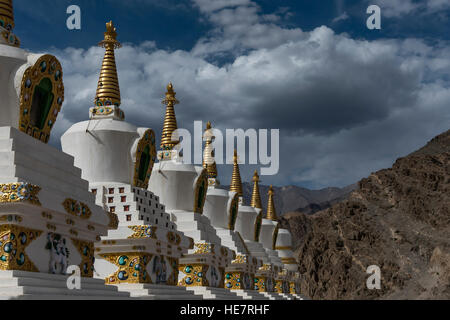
194 275
239 281
282 286
204 248
13 242
41 97
132 267
141 232
19 192
10 38
12 218
77 209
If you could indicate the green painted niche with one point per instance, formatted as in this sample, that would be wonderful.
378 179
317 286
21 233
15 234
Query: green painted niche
144 163
42 103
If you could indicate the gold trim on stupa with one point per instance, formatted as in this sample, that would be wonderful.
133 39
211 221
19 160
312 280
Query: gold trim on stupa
256 197
7 24
6 14
236 182
209 162
108 90
271 212
170 120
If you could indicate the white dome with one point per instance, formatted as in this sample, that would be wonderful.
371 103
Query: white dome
246 222
218 207
104 149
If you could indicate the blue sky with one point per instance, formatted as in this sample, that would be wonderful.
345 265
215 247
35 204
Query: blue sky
348 100
179 24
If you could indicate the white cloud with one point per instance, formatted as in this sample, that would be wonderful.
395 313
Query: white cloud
342 17
397 8
345 107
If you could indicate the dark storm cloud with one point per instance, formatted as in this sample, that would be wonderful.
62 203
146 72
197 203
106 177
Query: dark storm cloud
345 107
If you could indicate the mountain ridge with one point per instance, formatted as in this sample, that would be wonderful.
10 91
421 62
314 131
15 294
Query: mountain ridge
397 219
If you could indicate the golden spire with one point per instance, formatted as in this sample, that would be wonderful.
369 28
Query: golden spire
236 182
170 121
271 213
209 162
6 14
256 197
108 90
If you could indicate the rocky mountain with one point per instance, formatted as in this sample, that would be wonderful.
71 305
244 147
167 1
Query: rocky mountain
293 198
398 219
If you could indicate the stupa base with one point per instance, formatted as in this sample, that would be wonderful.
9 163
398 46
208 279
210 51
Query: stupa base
20 285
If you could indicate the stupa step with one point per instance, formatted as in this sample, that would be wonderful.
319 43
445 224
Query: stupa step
43 289
51 178
13 283
41 297
11 158
167 297
275 296
250 295
35 282
210 293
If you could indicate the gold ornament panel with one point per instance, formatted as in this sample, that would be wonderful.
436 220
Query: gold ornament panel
142 232
132 267
239 281
13 242
264 284
9 37
148 140
77 209
86 250
19 192
204 248
194 275
46 67
282 286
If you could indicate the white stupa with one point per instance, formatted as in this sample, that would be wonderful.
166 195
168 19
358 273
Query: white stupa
183 188
222 208
48 218
141 256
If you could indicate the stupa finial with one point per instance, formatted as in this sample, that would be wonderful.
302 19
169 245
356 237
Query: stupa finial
108 90
256 197
236 182
7 23
6 14
170 120
209 162
271 212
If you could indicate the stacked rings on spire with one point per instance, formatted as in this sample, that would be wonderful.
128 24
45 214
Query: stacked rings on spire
236 182
170 121
256 197
6 14
108 90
